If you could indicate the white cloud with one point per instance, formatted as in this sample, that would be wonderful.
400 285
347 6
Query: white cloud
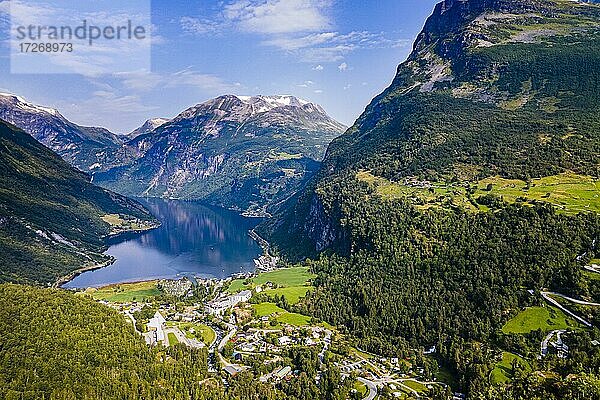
348 86
318 91
330 46
298 27
306 84
105 56
343 67
318 68
198 26
278 16
145 81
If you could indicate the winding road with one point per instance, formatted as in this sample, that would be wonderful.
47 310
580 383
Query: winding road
372 388
546 296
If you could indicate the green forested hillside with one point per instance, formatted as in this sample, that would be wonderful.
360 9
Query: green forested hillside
414 242
50 214
55 345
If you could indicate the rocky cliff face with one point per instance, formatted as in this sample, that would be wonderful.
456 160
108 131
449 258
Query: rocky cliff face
244 153
83 147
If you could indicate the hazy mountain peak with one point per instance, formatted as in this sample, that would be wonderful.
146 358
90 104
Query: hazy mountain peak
23 104
79 145
148 126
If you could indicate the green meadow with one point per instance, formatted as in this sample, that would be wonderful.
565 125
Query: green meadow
126 292
569 192
503 370
534 318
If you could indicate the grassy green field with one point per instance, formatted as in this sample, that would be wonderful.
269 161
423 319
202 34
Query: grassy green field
293 319
119 223
172 339
533 318
196 331
502 372
265 309
569 192
419 387
361 388
287 277
292 293
284 317
126 292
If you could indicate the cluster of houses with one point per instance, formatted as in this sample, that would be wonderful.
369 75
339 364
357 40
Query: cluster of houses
415 183
260 341
178 288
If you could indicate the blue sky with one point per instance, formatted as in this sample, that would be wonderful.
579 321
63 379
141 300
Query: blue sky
337 53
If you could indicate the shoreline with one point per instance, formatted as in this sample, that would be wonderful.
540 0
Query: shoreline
63 280
69 277
263 244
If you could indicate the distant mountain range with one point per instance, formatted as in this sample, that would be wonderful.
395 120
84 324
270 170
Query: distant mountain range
242 153
81 146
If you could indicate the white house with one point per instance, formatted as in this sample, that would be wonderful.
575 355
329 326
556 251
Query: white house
284 340
219 306
155 328
241 297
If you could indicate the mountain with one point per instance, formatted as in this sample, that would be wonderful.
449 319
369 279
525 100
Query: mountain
493 88
243 153
83 147
147 127
472 178
52 220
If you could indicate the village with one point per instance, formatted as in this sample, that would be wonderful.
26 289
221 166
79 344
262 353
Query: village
239 323
247 322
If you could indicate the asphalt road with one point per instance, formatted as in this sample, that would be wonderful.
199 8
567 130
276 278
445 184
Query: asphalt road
371 386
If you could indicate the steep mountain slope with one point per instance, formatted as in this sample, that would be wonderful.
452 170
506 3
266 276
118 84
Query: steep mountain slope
244 153
492 88
81 146
50 215
472 178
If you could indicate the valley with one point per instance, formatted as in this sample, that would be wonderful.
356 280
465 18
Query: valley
444 246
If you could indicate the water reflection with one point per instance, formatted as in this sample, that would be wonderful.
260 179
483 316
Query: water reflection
193 240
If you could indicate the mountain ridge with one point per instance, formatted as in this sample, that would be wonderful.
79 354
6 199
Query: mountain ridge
246 153
422 224
79 145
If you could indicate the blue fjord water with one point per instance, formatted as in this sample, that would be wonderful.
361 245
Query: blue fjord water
193 240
